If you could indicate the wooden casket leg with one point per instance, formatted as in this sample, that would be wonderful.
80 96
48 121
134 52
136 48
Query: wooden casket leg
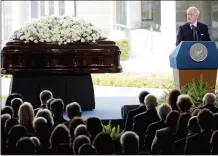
72 88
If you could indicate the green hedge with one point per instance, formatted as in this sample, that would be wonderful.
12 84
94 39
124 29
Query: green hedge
124 47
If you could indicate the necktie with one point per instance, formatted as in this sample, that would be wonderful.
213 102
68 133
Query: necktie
194 33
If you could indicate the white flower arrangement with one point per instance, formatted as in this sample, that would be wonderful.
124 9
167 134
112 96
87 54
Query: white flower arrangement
58 30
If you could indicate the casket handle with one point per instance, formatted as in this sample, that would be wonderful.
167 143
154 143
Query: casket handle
102 60
21 61
74 61
47 62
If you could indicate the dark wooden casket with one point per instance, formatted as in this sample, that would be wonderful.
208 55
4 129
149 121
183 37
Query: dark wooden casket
65 70
20 57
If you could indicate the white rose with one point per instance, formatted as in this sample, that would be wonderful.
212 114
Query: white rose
82 40
31 38
35 41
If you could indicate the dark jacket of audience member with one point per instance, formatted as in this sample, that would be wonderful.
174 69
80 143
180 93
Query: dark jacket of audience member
200 143
214 143
132 113
163 141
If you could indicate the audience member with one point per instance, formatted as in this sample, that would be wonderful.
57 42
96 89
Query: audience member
11 97
15 104
57 109
7 110
81 130
163 141
59 135
10 123
130 143
64 149
214 143
215 127
132 113
184 103
94 127
78 142
76 121
87 149
73 109
103 144
142 120
172 98
26 116
209 102
200 143
25 146
162 110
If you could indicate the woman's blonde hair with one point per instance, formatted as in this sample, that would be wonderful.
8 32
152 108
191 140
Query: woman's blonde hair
26 114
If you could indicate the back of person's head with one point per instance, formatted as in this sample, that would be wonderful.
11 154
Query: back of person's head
206 119
16 132
103 143
38 123
15 104
64 149
10 123
142 96
172 98
76 121
214 143
195 112
215 121
48 103
183 122
171 119
94 126
184 103
150 101
57 107
44 96
78 142
209 98
8 110
193 125
36 142
25 146
26 114
11 97
47 115
130 142
4 119
87 149
73 109
163 110
81 130
59 135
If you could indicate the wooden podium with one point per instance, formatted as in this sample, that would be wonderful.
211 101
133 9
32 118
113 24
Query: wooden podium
65 70
190 60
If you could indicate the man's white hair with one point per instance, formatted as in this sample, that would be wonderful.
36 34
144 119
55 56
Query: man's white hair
193 8
163 110
150 101
209 98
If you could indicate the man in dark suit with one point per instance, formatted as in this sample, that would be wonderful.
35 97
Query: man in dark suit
162 111
199 144
209 102
142 120
132 113
193 30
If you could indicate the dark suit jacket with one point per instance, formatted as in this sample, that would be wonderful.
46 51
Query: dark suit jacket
185 33
150 133
141 122
179 146
198 144
211 107
163 142
131 114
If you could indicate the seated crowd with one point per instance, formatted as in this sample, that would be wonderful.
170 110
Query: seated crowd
173 127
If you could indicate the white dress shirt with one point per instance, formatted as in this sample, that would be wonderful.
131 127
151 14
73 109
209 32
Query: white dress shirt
195 24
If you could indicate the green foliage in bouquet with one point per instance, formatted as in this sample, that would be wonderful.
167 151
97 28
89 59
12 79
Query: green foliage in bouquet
197 90
124 48
115 132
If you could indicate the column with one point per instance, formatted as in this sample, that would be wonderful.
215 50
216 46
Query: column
168 25
69 8
19 13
